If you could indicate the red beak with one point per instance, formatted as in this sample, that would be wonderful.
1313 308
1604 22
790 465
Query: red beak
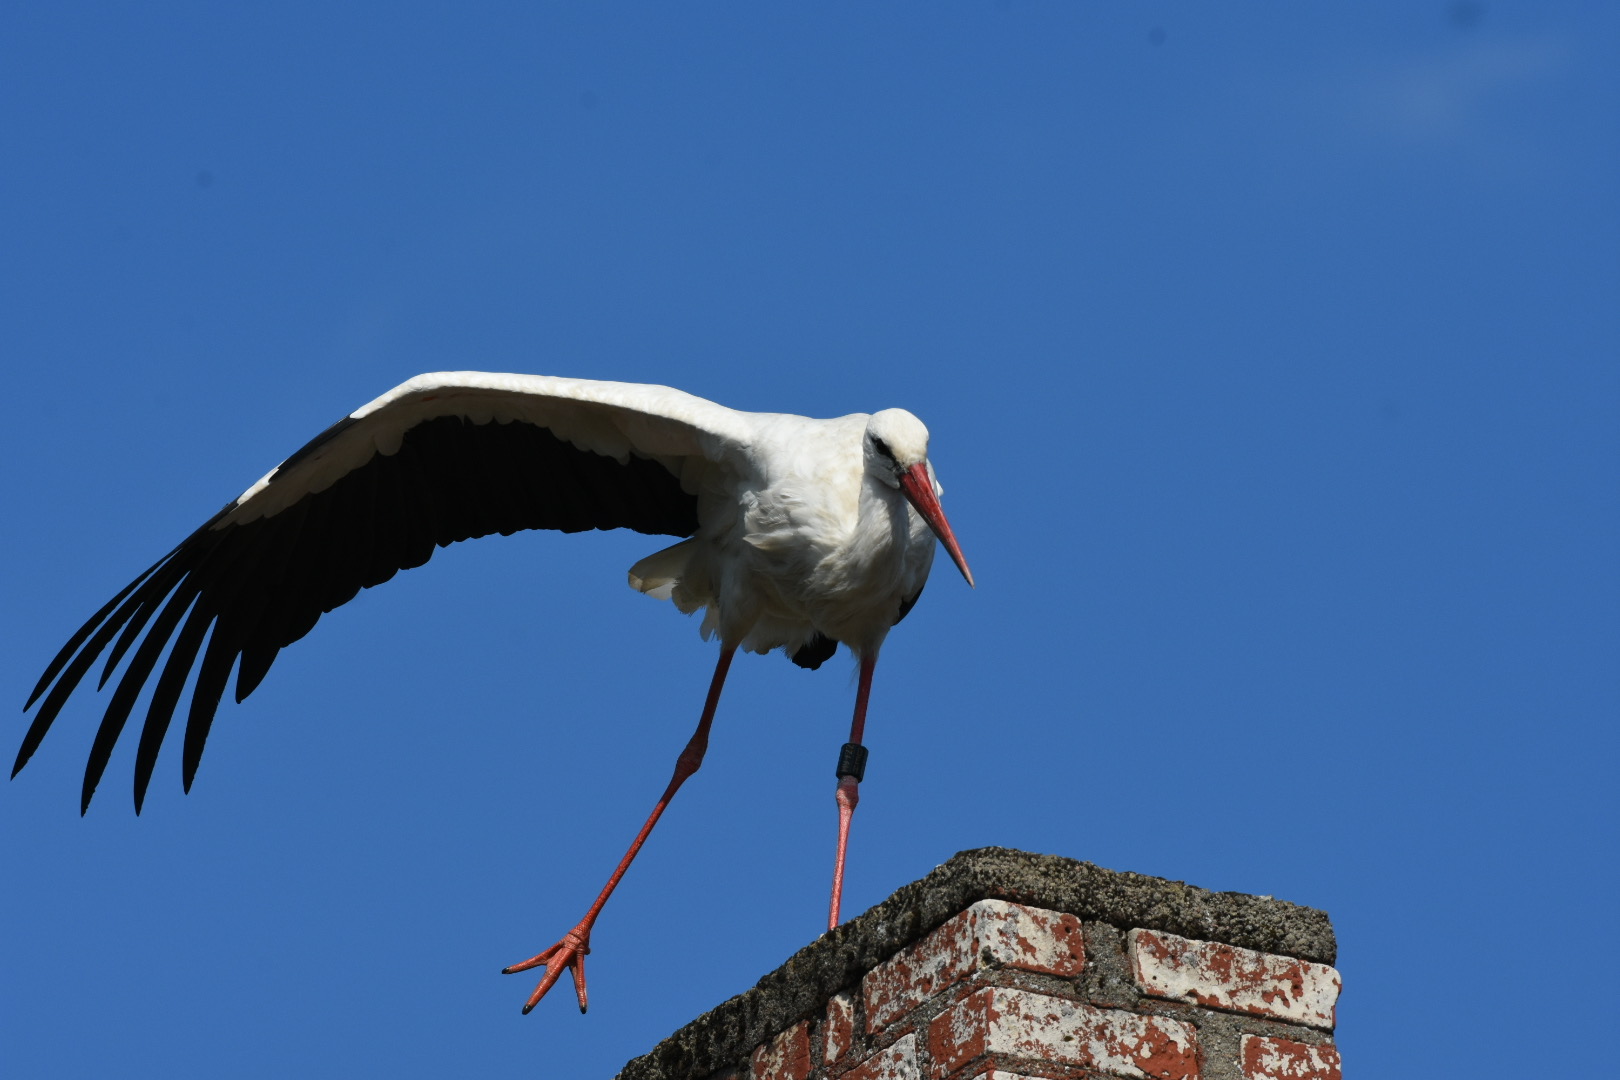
919 490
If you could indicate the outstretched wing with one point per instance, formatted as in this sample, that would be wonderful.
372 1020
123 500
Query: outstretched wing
444 457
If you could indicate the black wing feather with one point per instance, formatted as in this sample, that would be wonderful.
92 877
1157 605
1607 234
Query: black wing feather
279 604
65 654
907 604
247 590
129 688
815 652
132 630
165 700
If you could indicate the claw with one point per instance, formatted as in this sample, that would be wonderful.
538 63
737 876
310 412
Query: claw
579 978
567 955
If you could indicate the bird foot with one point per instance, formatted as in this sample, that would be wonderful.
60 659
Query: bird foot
568 954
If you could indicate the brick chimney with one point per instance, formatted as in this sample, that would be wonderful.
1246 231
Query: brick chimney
1001 965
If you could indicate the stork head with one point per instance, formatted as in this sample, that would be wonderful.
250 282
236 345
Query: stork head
897 454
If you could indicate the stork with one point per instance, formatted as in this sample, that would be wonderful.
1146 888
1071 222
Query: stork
798 534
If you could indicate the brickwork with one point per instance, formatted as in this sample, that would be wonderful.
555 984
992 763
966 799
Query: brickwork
1281 1059
990 934
1004 989
786 1057
1014 1026
1240 980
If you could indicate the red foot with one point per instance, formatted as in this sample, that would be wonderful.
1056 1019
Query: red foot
569 954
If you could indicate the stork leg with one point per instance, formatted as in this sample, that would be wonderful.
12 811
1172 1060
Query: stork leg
569 953
851 767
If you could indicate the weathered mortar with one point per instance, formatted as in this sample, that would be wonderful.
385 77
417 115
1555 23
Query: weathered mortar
800 988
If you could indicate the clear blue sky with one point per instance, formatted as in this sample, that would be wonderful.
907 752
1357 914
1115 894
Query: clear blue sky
1270 356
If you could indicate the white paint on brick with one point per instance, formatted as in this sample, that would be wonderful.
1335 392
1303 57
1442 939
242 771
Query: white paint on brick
990 933
840 1025
786 1057
898 1062
1240 980
1264 1058
1039 1027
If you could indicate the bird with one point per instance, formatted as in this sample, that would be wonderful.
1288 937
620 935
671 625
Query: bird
795 534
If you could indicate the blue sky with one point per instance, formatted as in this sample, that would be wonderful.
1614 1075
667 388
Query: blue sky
1270 356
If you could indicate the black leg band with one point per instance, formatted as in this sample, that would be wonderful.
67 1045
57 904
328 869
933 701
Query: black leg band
852 762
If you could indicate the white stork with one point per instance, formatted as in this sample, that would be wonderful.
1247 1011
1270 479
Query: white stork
799 534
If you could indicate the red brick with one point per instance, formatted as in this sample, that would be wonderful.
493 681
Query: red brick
786 1057
840 1030
991 933
1042 1028
898 1062
1240 980
1283 1059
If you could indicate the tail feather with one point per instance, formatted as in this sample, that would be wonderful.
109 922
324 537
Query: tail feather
659 573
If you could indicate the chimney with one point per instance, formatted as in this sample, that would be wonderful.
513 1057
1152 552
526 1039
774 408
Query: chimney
1001 965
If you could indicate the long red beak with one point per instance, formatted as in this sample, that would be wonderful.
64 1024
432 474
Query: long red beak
919 489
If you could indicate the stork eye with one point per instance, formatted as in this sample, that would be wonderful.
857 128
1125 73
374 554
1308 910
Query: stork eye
882 447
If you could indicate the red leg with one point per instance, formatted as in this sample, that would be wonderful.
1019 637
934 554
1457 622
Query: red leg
849 787
569 953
